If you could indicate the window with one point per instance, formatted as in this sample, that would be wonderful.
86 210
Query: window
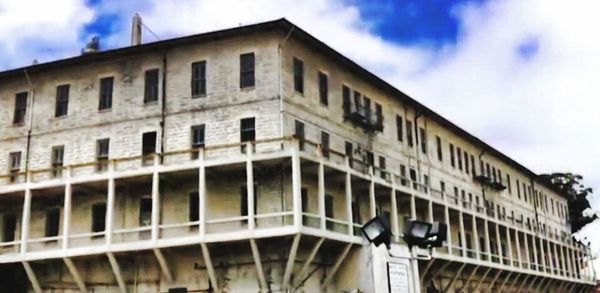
466 162
399 129
148 147
198 82
403 175
52 222
247 70
145 212
508 183
20 108
346 104
102 150
57 160
247 131
194 207
423 137
98 217
304 199
325 144
438 143
197 139
426 183
370 158
473 165
329 211
409 136
443 186
106 93
459 157
355 213
9 225
62 100
357 98
151 86
493 174
382 167
298 75
367 107
323 89
244 201
349 153
299 130
413 178
378 114
14 159
451 146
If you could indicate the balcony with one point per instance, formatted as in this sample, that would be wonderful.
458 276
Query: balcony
363 117
488 182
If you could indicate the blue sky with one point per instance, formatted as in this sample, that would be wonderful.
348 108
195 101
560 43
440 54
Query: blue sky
520 74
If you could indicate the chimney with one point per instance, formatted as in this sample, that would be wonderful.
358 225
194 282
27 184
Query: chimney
92 47
136 30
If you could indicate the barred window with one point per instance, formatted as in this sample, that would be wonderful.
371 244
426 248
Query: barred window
106 93
20 108
62 100
198 82
247 70
151 86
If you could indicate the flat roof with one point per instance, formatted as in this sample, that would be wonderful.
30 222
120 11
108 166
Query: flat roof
285 26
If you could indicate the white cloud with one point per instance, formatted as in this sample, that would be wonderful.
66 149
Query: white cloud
40 30
540 111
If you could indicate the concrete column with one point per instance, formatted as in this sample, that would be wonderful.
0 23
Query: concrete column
25 220
348 190
394 203
67 210
519 256
463 238
549 257
448 230
509 246
321 194
535 253
155 201
202 193
413 207
527 252
372 202
499 244
563 263
476 237
110 203
486 236
543 254
296 184
250 186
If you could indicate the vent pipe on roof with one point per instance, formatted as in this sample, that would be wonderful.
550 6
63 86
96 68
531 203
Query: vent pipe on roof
136 30
92 47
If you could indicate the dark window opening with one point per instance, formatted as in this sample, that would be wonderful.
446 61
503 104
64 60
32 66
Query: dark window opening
244 201
15 165
403 175
329 211
148 147
304 197
323 89
473 165
357 99
20 108
9 226
413 178
399 128
355 213
346 104
349 153
382 167
247 131
370 158
459 157
452 163
378 114
52 222
102 150
409 133
325 144
197 139
151 86
99 217
423 135
194 207
367 107
198 79
57 160
247 78
466 162
106 93
299 130
62 100
145 212
438 143
298 75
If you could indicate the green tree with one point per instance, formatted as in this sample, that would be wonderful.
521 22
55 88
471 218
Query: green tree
570 185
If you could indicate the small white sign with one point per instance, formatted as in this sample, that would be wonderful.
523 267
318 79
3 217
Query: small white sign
397 278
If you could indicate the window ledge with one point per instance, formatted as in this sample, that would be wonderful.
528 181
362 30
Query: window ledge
151 103
198 96
105 110
248 88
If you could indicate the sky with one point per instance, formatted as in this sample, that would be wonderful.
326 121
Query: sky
523 75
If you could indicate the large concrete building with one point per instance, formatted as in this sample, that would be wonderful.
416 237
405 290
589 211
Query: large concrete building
128 170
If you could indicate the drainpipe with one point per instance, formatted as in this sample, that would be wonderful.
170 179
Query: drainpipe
163 106
29 124
279 73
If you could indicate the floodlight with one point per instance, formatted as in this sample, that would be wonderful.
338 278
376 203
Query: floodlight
377 232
